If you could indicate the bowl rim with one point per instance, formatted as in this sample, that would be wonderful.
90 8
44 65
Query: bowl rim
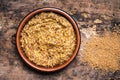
30 15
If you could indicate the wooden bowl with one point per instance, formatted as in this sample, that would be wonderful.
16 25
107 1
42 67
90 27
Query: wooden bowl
27 18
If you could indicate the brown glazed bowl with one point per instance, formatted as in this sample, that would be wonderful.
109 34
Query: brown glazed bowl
29 16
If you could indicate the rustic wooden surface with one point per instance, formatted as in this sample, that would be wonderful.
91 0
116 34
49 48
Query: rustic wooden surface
85 12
